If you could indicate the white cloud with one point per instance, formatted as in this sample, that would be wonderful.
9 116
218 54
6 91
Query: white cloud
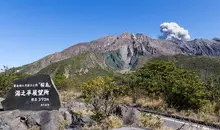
172 31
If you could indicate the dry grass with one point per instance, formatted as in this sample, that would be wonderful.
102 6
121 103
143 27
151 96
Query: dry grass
62 125
150 122
111 122
69 95
83 112
125 100
151 103
206 113
92 126
34 128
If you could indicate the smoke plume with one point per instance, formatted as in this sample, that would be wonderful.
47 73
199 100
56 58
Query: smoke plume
172 31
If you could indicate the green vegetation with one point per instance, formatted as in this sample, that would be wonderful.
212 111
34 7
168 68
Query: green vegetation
180 88
175 84
204 66
6 78
85 64
103 94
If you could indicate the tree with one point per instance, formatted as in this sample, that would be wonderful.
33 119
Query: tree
7 76
132 81
180 88
102 93
60 81
212 86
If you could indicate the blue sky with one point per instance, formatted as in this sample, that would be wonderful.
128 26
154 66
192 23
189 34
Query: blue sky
32 29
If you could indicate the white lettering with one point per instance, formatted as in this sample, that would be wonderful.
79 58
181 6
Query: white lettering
17 93
40 92
28 92
34 93
34 99
42 84
44 105
46 92
23 93
47 85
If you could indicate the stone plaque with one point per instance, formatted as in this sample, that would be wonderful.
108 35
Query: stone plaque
32 93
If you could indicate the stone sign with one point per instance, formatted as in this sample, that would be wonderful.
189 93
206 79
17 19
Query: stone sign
32 93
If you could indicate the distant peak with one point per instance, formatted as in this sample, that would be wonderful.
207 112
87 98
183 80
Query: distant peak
216 39
125 35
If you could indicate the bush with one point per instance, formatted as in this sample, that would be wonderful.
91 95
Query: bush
60 81
7 77
112 121
103 94
180 88
149 121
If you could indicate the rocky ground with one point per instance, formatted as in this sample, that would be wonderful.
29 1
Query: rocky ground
65 118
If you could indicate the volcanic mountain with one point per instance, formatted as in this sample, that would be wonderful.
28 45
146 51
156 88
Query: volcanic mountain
118 53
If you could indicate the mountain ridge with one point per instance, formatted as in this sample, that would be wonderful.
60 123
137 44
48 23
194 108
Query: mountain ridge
127 48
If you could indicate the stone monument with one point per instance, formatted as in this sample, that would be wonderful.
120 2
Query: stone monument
32 93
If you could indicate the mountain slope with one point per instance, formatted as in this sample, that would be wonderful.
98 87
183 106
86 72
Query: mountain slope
124 52
84 64
204 66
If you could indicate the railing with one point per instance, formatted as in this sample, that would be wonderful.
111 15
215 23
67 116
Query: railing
208 124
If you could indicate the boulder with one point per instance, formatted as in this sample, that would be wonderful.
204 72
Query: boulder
44 119
50 120
129 115
18 124
4 126
66 115
23 120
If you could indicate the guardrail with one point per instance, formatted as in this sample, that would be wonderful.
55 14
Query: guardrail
208 124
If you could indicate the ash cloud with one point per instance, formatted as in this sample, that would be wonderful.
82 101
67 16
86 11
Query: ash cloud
172 31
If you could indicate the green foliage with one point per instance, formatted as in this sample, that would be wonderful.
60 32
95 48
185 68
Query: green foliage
131 80
180 88
204 66
6 79
213 89
84 64
150 122
102 93
60 81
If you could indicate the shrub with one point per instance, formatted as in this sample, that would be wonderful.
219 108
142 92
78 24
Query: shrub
180 88
112 121
7 77
149 121
103 94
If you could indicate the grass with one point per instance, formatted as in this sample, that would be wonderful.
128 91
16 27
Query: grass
206 113
150 122
151 103
34 128
109 123
69 95
125 100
